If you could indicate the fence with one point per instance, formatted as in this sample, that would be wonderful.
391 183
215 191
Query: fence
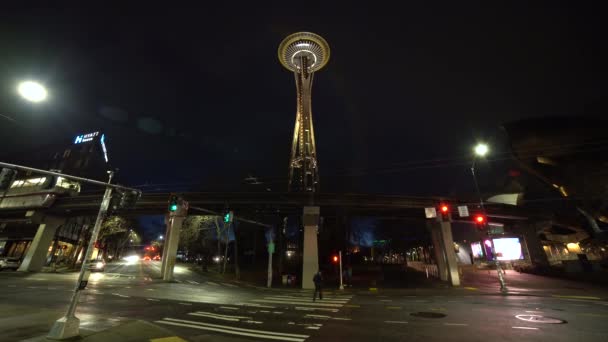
430 270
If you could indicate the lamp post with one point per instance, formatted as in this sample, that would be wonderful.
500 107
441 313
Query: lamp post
481 150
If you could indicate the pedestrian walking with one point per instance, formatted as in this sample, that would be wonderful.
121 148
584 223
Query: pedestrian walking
318 280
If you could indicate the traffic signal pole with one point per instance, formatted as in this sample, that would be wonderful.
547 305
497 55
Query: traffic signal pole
68 326
501 279
341 283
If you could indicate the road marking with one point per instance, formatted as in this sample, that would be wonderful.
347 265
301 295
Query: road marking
212 283
255 305
373 289
184 303
265 311
168 339
386 300
456 324
253 322
32 287
393 308
119 295
217 316
150 290
153 300
315 309
396 322
229 285
298 303
317 316
470 288
577 297
193 282
525 328
127 287
228 308
277 312
313 327
272 335
533 311
352 306
307 299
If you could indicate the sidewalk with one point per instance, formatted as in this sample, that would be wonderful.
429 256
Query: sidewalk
130 331
529 284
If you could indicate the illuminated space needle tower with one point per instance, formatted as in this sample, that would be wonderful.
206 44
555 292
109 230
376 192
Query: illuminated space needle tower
303 53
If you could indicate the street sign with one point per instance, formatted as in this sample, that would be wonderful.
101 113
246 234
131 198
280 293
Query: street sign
271 247
430 212
496 229
463 211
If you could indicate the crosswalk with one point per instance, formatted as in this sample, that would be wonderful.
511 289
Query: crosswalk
278 317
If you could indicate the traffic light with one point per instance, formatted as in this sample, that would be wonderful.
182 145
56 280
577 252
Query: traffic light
228 217
334 259
173 203
444 209
480 221
129 199
6 178
124 199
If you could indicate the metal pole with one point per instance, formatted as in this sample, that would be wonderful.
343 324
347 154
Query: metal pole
269 280
68 326
341 283
501 280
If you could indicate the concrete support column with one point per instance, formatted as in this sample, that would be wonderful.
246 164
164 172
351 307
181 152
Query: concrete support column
443 244
174 226
35 258
439 251
310 260
450 253
533 245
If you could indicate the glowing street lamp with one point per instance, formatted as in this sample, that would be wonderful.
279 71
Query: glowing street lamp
481 150
32 91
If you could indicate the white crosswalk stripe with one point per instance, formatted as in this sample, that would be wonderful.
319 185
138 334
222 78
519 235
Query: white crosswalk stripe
263 334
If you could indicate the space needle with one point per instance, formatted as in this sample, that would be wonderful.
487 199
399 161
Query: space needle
303 53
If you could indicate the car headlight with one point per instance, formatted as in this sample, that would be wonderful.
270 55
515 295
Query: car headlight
99 265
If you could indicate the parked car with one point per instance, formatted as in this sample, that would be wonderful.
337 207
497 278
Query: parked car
9 263
97 265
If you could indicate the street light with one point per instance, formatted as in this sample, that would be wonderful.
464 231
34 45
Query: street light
160 237
32 91
481 150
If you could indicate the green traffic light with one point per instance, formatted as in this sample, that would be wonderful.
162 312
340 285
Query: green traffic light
173 207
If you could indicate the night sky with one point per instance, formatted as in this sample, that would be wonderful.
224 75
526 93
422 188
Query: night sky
195 98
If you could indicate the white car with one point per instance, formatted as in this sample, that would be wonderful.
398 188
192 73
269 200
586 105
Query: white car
9 263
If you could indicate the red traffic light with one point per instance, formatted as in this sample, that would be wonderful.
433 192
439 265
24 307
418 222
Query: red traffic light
444 208
480 219
335 258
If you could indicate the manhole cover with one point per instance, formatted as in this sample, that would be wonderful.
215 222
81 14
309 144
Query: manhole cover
428 314
540 319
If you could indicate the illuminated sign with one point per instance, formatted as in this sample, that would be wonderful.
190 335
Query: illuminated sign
508 249
85 137
103 147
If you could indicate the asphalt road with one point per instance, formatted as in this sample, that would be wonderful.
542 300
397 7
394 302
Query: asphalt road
199 309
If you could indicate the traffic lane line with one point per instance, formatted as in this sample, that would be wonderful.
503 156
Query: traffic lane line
525 328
